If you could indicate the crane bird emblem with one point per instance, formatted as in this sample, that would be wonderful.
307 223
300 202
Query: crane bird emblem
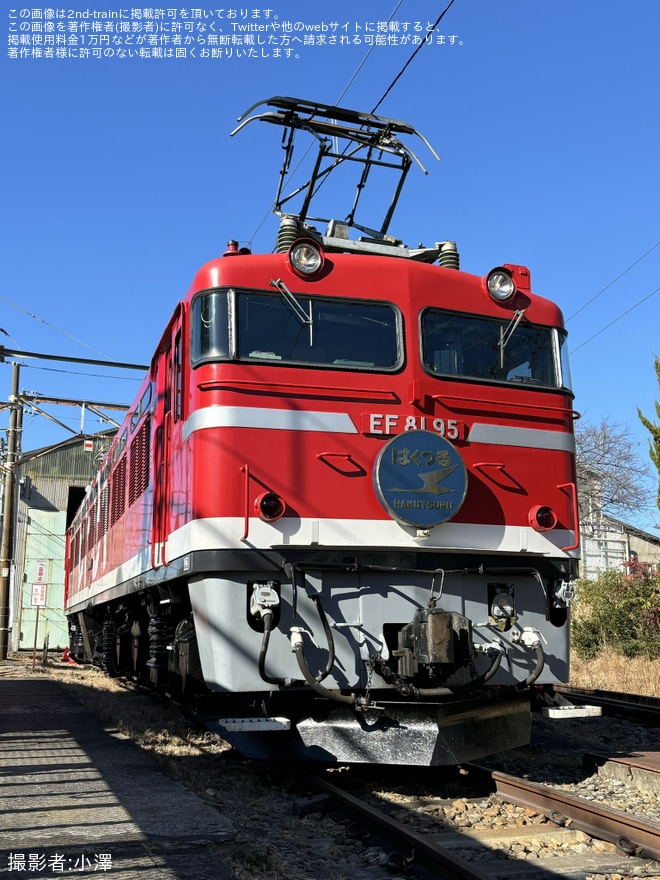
420 479
431 482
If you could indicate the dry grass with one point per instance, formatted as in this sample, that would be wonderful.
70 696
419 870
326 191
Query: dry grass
611 672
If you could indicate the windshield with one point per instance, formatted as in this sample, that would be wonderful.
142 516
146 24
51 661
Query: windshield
344 334
491 350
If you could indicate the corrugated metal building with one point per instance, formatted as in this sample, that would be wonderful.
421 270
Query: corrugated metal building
51 483
607 543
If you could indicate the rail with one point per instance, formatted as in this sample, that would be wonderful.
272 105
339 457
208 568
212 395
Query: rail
424 852
633 835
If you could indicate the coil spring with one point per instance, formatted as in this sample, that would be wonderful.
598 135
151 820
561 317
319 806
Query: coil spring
287 234
449 258
109 646
158 641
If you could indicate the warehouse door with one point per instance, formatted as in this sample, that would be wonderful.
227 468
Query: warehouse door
42 587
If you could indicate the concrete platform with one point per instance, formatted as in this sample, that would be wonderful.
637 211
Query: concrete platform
79 798
640 770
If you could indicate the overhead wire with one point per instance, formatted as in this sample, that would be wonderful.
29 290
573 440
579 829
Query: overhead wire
364 60
54 327
263 220
269 211
607 286
614 280
616 320
376 106
417 49
256 231
81 373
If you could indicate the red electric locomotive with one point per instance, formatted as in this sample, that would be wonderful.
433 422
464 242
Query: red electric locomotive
344 500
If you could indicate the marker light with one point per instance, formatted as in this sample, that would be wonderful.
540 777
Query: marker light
500 285
306 257
542 518
269 507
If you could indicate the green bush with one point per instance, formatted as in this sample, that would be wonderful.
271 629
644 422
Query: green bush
619 613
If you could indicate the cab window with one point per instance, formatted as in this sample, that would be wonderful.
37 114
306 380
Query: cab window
490 350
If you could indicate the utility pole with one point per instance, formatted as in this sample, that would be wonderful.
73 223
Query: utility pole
7 550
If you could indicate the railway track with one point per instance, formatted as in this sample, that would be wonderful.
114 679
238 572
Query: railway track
572 829
586 837
640 707
632 835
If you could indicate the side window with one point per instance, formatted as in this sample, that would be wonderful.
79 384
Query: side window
142 407
210 327
563 358
119 448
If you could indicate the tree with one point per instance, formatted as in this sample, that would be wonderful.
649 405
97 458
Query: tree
611 478
654 430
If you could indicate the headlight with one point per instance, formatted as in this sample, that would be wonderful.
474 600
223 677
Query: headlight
306 257
500 285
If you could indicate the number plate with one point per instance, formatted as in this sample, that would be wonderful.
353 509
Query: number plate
387 424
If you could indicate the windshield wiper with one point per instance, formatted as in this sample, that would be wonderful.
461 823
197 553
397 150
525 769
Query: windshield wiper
292 302
507 333
299 313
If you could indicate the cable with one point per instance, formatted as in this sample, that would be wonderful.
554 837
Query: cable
405 66
622 315
607 286
53 327
364 60
79 373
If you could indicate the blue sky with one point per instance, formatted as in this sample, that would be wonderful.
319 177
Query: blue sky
120 177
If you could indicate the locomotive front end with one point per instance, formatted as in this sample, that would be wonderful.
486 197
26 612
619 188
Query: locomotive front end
344 502
406 537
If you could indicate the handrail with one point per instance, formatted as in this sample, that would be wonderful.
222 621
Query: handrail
576 515
298 390
246 522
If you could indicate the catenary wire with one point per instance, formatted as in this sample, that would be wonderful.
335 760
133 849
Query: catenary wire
614 280
53 327
607 286
82 373
364 60
616 320
405 66
79 341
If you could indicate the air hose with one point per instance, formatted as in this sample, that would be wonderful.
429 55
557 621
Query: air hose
297 648
540 663
267 617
